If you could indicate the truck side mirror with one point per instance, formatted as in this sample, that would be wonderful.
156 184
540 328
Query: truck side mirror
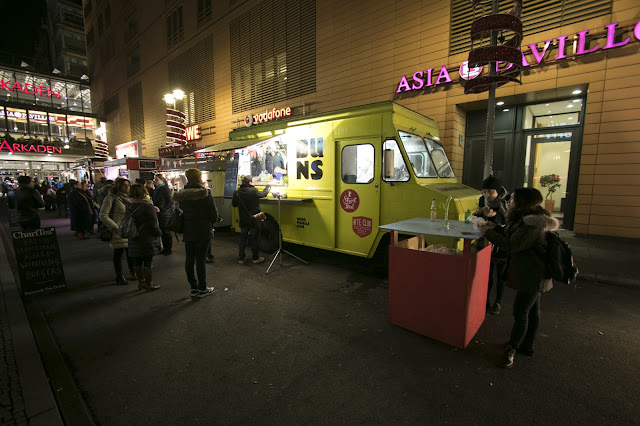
388 162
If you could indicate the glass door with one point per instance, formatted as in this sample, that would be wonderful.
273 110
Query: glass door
547 161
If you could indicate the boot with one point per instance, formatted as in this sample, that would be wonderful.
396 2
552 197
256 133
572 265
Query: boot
507 357
149 285
120 280
140 276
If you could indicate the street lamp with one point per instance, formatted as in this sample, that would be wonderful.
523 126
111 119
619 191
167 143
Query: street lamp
170 98
175 119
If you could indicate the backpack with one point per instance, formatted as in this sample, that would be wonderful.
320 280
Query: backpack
559 260
127 228
176 223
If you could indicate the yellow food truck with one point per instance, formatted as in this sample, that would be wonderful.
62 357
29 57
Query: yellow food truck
350 171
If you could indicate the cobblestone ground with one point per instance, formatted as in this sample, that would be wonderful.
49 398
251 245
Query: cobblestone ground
12 411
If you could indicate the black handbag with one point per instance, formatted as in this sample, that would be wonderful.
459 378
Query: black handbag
105 234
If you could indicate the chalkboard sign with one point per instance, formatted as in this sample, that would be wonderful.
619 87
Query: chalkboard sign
39 261
231 175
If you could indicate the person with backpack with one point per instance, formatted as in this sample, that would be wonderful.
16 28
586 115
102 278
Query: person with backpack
146 243
200 213
492 206
114 207
162 200
524 240
247 200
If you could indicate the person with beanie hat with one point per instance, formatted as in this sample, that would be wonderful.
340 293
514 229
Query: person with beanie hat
200 214
492 206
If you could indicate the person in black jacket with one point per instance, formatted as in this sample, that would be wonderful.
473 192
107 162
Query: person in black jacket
200 214
162 200
246 198
147 243
27 201
80 211
492 206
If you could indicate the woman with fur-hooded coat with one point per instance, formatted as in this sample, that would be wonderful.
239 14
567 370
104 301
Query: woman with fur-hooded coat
524 239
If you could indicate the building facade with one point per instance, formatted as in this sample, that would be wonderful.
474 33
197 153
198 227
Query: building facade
574 115
67 44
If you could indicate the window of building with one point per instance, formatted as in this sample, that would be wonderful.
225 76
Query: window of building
74 97
283 64
133 62
58 94
192 72
58 126
131 29
86 98
17 122
175 28
397 168
42 94
136 111
90 37
204 11
537 16
358 163
76 125
38 124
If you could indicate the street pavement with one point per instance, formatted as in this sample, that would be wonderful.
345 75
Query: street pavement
311 344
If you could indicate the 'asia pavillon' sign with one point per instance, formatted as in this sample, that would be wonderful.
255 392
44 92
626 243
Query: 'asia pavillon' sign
424 78
21 147
28 89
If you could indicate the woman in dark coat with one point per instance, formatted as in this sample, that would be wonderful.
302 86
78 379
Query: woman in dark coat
162 199
524 239
80 211
147 243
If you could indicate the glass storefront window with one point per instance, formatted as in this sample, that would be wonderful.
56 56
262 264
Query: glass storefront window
86 100
43 93
17 120
38 124
553 114
59 89
58 127
74 97
90 128
76 124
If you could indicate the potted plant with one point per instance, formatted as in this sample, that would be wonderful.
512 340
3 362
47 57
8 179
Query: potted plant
552 183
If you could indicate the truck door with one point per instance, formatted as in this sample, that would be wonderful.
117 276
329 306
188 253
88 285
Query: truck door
358 194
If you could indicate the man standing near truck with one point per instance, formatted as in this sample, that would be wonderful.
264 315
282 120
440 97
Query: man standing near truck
246 198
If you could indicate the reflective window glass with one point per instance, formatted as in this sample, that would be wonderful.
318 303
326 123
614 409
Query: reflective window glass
38 124
58 127
439 157
74 97
58 94
418 156
17 120
43 92
358 163
398 171
86 99
76 125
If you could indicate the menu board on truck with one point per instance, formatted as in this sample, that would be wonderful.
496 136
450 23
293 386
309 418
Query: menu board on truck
231 175
39 262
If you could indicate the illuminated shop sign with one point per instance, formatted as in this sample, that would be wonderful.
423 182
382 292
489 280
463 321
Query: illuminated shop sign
28 88
425 78
128 149
263 117
192 133
20 147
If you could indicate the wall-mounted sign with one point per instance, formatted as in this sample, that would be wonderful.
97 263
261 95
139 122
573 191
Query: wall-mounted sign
263 117
193 133
177 151
21 147
129 149
137 164
28 89
425 78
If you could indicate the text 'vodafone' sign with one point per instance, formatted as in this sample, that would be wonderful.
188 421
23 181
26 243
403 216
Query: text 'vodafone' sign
263 117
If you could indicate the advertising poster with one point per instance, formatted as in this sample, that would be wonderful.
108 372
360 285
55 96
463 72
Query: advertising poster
39 261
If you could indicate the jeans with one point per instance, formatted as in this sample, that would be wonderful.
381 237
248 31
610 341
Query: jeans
144 262
196 253
526 315
253 233
117 260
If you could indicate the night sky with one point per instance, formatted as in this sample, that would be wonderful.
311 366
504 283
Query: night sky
21 25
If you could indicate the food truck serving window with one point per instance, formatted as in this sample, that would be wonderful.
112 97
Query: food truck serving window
396 170
427 157
358 163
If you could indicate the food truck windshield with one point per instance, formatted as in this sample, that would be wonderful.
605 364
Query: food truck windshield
427 156
265 162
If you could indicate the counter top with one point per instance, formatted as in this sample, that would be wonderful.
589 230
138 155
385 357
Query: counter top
424 226
285 200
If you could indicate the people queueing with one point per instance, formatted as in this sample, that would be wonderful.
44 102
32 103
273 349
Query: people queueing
61 201
91 220
147 243
246 198
80 211
200 214
524 239
492 206
151 187
27 200
112 211
163 201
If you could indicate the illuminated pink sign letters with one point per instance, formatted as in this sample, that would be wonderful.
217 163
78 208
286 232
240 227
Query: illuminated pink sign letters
421 79
20 147
28 89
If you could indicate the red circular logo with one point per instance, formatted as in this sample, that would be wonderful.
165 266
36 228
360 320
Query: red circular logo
349 200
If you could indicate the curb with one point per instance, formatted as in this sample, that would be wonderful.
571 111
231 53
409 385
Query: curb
609 279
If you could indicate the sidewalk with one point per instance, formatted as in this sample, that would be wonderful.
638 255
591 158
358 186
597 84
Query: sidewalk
27 397
605 260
